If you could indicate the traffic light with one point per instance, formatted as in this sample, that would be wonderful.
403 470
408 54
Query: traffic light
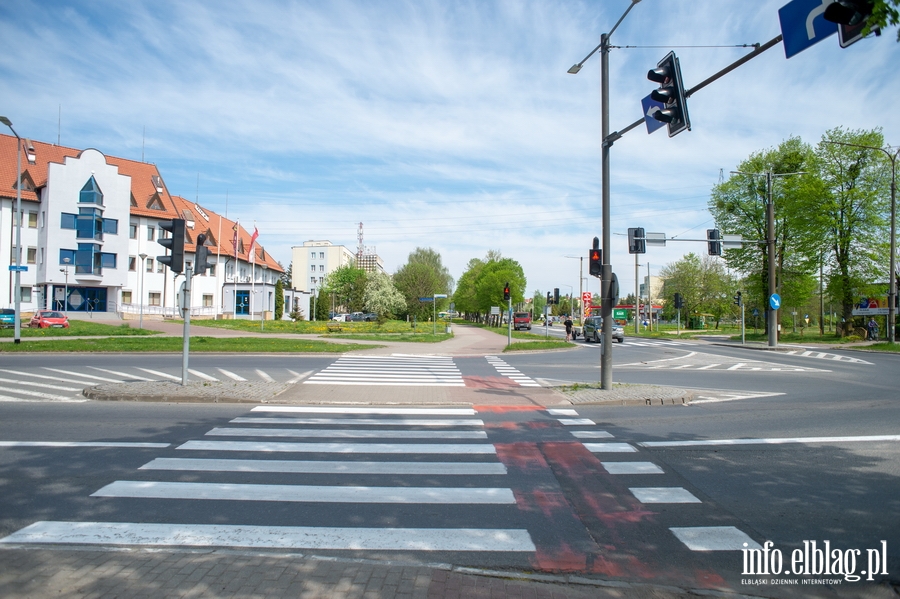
851 17
595 259
636 242
671 93
738 301
506 292
713 245
549 299
556 296
679 301
175 244
201 257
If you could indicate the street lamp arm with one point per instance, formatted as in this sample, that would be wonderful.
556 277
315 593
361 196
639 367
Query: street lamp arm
573 70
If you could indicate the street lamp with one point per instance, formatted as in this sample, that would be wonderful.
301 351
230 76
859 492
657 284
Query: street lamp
65 269
18 279
141 298
892 293
606 142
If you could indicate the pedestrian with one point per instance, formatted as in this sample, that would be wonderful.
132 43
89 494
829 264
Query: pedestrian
873 329
569 326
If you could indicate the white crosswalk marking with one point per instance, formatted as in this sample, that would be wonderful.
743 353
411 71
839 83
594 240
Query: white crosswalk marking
265 376
202 375
346 430
82 375
826 356
396 370
508 371
231 375
124 375
164 375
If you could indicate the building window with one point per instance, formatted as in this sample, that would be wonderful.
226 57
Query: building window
31 255
207 300
149 266
67 221
132 263
89 224
212 270
151 233
321 268
111 226
67 255
126 297
312 255
312 280
108 260
32 220
132 231
160 267
154 298
90 193
25 296
88 259
321 255
312 268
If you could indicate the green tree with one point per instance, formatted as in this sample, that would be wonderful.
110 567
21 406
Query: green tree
704 285
423 275
853 213
884 13
481 286
348 284
279 299
382 297
739 207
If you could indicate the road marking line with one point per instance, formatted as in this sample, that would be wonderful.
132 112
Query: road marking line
265 376
42 395
609 447
737 366
562 412
714 538
576 421
327 467
367 410
771 441
592 435
708 366
275 537
82 444
85 376
164 375
299 377
663 495
366 421
632 468
381 448
231 375
40 385
203 375
306 494
344 433
125 375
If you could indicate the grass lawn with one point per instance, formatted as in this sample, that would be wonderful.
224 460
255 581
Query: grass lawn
81 328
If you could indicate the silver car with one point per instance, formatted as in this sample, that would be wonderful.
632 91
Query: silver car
592 330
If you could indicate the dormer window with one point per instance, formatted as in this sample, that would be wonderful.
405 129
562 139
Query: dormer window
157 183
90 193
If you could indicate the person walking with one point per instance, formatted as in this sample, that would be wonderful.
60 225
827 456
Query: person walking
569 326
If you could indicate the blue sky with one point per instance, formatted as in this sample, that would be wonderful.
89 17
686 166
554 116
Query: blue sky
443 124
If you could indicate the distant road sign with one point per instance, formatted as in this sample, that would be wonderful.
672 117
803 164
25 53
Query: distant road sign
620 313
19 268
650 106
440 295
803 25
426 299
655 239
587 297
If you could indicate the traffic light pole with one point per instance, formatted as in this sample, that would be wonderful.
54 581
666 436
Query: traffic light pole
186 311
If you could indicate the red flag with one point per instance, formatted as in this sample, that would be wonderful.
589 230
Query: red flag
252 244
235 240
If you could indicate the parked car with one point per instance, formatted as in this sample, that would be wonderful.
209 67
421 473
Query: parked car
46 319
340 317
592 330
362 317
7 318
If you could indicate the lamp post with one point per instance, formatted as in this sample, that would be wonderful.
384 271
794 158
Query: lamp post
65 269
892 293
141 298
18 278
580 287
606 142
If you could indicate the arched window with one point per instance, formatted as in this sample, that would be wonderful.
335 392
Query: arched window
90 193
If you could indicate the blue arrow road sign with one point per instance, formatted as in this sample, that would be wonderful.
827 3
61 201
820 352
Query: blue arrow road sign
650 106
774 301
803 24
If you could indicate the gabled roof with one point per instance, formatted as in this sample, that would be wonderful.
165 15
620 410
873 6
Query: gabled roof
149 194
220 234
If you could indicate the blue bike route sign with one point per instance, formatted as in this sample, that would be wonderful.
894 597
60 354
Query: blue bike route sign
803 25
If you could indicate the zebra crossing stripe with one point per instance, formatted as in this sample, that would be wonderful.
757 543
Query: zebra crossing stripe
306 494
164 375
327 467
264 376
124 375
231 375
366 410
376 448
366 421
344 433
202 375
41 385
84 376
83 444
275 537
40 395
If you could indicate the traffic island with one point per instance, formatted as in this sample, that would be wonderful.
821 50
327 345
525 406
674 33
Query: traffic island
624 394
194 391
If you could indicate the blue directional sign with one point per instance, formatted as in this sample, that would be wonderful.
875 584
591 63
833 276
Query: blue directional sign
803 25
18 268
774 301
650 106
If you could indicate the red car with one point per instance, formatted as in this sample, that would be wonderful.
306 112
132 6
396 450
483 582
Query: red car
45 319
